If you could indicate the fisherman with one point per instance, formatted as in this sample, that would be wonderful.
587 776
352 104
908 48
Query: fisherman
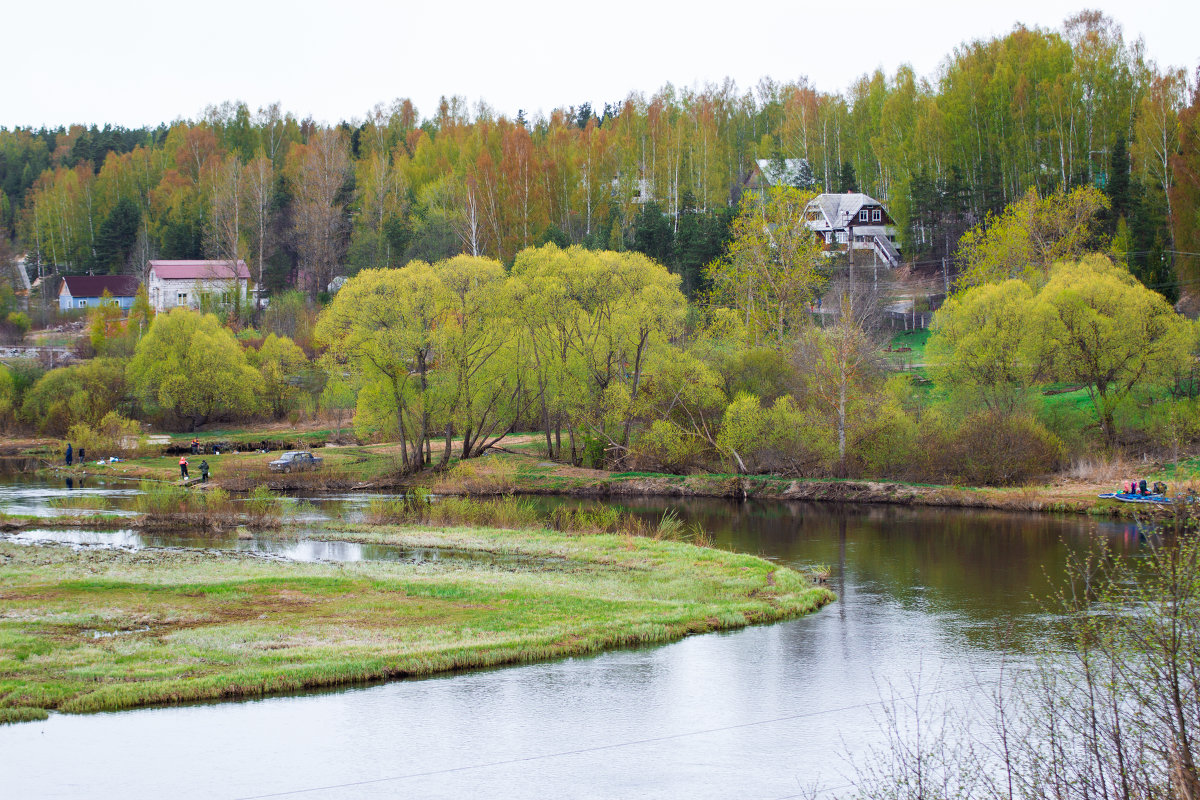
1142 487
183 467
195 445
204 472
70 454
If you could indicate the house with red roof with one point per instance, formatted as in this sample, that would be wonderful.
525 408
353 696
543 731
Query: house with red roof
173 284
87 291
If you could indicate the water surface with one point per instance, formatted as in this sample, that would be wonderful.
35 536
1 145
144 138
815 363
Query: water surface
756 713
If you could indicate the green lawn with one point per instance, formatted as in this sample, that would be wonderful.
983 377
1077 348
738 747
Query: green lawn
94 629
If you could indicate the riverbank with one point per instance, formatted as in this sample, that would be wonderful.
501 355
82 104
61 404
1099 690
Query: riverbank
95 629
511 471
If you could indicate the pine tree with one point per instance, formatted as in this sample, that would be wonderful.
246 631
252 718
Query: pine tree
848 182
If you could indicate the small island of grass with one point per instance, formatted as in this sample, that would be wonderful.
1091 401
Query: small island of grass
96 629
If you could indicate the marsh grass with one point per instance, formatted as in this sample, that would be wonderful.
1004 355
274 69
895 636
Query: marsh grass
172 505
22 714
209 625
488 475
90 502
522 514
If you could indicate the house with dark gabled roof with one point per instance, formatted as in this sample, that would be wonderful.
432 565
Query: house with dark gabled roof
853 221
86 291
184 284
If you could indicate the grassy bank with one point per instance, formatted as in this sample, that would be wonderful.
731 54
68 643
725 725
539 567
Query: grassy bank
520 469
98 629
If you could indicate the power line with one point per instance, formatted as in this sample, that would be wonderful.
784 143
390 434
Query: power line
596 748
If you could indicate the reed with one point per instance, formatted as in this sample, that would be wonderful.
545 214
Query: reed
89 502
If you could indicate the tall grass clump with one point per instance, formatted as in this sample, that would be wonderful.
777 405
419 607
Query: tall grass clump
170 504
162 499
263 504
491 475
89 502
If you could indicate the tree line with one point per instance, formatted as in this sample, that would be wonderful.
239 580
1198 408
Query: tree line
303 202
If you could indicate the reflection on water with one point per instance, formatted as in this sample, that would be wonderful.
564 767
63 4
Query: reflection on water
757 713
269 546
22 493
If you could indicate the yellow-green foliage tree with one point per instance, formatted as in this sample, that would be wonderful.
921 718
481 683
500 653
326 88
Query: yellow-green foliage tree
104 324
279 362
758 438
81 393
380 328
1030 236
771 271
597 317
8 395
479 379
191 366
1105 330
984 344
112 435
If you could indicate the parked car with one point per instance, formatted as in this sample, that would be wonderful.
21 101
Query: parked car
295 461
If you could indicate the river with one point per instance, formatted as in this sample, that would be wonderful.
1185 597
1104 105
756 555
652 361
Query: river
932 597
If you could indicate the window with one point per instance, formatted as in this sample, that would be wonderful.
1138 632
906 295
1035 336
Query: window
876 215
82 304
181 299
862 215
841 237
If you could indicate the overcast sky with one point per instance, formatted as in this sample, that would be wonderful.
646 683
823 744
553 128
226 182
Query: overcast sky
134 63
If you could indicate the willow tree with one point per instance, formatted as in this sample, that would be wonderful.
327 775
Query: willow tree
600 316
479 378
771 271
192 366
984 346
1103 329
1032 235
379 331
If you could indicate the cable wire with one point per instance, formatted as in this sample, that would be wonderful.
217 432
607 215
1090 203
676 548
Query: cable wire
595 748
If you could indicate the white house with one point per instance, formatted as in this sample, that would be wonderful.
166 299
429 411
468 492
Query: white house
185 283
853 220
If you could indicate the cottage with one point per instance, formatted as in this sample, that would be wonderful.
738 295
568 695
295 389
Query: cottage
86 291
173 284
853 220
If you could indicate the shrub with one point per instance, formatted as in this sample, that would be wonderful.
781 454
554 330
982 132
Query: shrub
989 448
663 447
113 436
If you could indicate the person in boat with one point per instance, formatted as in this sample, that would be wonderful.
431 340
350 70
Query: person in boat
1160 488
1142 487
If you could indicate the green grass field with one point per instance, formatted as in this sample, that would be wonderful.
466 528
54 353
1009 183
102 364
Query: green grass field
93 630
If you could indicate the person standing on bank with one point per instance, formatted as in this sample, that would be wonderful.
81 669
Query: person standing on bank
204 471
183 467
70 454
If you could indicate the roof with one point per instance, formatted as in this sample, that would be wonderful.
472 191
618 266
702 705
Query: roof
96 285
839 209
198 270
792 172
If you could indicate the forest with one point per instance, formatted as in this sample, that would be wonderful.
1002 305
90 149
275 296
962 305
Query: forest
304 202
617 282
